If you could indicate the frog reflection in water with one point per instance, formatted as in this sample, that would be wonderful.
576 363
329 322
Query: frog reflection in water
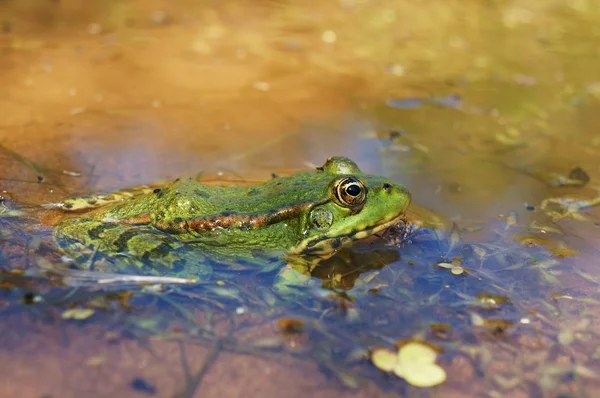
306 217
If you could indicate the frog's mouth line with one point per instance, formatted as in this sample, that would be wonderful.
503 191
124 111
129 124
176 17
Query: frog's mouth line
378 228
314 246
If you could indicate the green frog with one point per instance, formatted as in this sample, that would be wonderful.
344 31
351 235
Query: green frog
304 218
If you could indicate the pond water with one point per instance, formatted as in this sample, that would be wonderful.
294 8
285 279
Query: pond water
485 110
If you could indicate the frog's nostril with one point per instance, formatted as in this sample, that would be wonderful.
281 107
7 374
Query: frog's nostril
386 186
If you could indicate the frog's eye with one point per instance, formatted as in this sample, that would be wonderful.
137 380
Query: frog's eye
350 192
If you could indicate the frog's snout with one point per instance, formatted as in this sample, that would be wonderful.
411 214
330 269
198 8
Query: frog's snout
398 191
395 189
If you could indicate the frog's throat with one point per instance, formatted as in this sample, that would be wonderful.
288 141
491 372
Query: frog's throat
332 244
238 220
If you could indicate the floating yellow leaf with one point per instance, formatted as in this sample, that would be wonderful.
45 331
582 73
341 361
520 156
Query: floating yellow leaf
96 360
416 364
455 267
384 359
416 352
78 313
457 270
421 374
563 251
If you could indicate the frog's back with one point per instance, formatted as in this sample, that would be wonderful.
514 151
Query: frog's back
185 198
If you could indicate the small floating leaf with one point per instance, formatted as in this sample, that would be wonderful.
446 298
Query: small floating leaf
511 220
440 330
457 269
290 325
492 299
563 252
416 364
416 352
78 313
384 359
96 360
422 374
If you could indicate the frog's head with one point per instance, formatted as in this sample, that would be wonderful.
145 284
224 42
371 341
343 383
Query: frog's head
356 205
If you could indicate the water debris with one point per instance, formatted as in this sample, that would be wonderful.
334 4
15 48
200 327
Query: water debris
555 248
38 169
78 313
290 325
89 278
568 207
143 386
492 300
71 173
576 177
8 212
563 251
455 267
497 326
441 330
511 220
545 228
449 101
96 360
414 362
142 280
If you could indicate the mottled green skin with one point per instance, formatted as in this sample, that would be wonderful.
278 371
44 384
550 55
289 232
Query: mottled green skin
155 229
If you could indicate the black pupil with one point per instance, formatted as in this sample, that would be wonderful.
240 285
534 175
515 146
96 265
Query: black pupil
353 190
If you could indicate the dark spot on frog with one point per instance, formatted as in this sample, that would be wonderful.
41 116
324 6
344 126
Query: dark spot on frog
94 233
157 190
202 194
313 251
68 205
253 191
141 385
121 242
92 202
386 186
40 178
336 243
352 233
161 250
